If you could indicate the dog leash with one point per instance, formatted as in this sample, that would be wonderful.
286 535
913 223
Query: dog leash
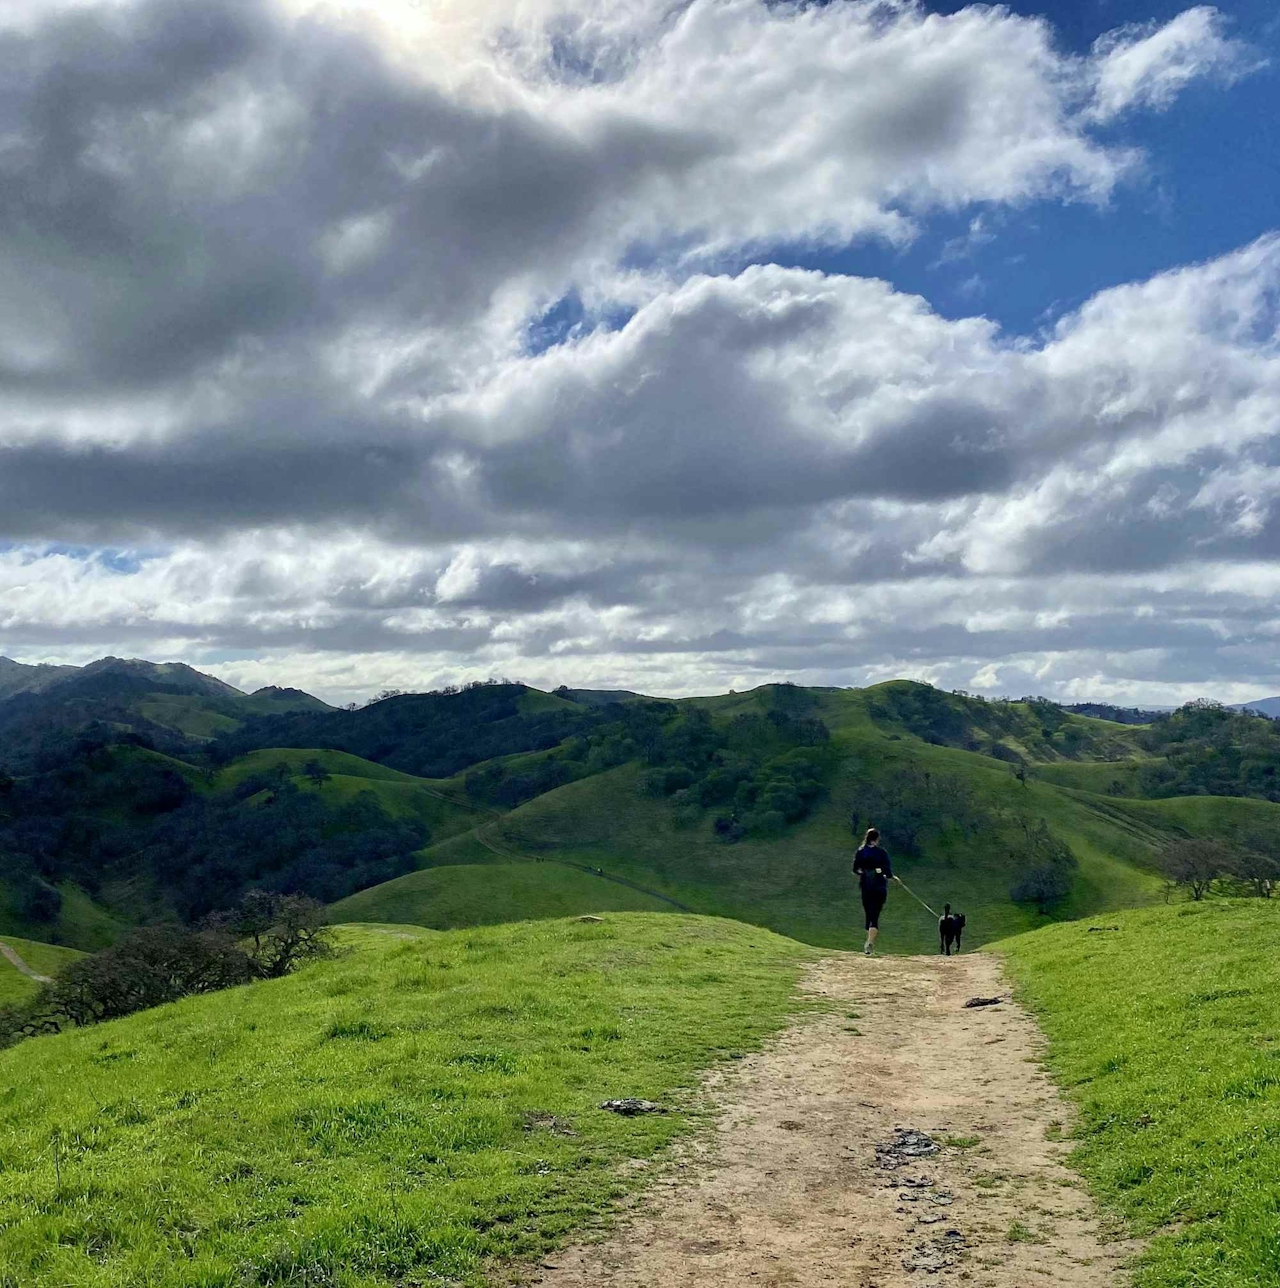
915 896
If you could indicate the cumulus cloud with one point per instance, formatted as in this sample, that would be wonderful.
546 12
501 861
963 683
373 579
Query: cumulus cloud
1149 65
269 272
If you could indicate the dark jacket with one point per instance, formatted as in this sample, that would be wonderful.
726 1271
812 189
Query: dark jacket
872 867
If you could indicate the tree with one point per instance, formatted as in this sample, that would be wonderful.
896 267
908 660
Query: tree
1194 865
1042 885
151 966
1049 865
315 771
278 931
1256 870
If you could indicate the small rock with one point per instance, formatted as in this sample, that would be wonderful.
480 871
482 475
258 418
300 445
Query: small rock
983 1001
629 1107
588 917
790 1124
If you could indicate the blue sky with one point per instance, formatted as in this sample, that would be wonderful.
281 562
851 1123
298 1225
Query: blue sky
1211 183
672 347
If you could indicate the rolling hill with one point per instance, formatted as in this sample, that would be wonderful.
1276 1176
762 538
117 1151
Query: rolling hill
797 882
46 710
496 801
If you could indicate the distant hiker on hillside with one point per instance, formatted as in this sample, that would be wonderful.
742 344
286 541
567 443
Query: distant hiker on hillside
874 871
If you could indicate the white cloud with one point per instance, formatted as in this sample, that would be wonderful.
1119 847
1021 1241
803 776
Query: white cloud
270 331
1149 65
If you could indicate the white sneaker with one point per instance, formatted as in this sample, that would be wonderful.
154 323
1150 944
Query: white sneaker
866 951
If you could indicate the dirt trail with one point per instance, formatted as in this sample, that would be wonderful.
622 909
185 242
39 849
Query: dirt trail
792 1191
8 952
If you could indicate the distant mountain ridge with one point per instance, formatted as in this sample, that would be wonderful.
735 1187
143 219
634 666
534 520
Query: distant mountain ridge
18 677
165 705
23 677
1269 707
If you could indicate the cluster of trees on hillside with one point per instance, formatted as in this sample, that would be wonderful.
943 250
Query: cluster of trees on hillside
1248 864
264 936
912 804
972 723
433 735
111 814
1209 749
206 852
761 770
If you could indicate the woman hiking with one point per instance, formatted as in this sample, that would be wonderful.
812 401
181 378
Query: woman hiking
874 872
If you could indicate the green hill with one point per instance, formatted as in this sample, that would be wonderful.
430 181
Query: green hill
395 1115
81 922
476 895
741 805
44 959
442 805
1164 1026
795 878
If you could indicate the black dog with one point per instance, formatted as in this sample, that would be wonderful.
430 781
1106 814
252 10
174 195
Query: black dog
950 926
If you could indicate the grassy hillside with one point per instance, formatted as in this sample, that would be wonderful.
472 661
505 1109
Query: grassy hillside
81 923
441 804
798 882
442 898
44 959
394 1116
1164 1026
741 805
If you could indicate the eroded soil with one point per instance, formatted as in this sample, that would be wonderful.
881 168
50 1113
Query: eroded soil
792 1190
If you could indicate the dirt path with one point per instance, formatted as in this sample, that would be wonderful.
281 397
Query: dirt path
792 1190
8 952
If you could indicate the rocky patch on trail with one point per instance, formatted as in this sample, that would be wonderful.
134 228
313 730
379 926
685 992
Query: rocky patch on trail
932 1255
907 1144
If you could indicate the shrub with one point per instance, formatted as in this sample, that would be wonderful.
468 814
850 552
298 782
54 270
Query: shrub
266 936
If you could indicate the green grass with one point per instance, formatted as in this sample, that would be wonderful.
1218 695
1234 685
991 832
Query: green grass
1103 778
1167 1035
188 714
442 898
81 924
440 804
800 884
44 959
395 1116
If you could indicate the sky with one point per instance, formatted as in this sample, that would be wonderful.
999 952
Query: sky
668 345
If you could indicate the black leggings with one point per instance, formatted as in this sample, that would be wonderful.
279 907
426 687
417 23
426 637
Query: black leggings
872 905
